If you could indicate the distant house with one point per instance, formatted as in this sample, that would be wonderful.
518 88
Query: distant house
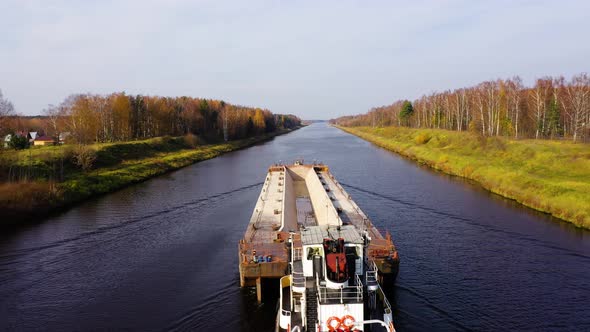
43 140
7 139
32 135
63 137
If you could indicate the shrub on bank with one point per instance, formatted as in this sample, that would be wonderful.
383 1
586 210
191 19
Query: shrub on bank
422 138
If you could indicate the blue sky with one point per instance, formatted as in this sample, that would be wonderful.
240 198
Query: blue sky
316 59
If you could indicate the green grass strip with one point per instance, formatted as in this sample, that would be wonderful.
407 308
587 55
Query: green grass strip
549 176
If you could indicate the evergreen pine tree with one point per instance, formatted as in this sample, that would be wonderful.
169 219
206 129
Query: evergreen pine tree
406 112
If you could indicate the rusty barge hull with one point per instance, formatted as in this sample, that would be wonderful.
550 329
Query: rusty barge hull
292 198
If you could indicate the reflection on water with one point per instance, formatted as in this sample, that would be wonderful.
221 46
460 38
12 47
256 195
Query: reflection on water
162 255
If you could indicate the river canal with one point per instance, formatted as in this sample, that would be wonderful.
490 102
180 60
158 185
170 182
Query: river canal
162 255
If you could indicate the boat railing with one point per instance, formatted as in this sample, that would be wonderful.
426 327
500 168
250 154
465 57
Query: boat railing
386 306
345 294
371 277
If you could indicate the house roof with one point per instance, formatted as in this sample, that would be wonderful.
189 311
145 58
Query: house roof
33 134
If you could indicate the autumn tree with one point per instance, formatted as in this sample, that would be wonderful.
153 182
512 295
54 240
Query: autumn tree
577 94
539 99
52 113
258 121
84 122
6 110
552 107
514 89
119 117
553 118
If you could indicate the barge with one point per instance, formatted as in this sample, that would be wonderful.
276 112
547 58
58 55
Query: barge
330 262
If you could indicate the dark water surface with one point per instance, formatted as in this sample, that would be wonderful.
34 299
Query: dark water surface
162 255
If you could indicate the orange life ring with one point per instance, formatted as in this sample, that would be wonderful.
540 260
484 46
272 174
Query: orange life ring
348 321
391 328
330 324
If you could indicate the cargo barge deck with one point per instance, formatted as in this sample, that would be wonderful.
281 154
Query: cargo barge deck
294 199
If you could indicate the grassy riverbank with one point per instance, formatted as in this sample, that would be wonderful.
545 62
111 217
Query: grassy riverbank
548 176
116 165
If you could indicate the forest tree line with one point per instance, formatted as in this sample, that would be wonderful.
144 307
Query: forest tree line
89 118
553 108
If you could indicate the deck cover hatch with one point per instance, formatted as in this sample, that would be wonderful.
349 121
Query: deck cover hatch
317 234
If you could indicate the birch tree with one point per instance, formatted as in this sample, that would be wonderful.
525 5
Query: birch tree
6 110
514 95
577 94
